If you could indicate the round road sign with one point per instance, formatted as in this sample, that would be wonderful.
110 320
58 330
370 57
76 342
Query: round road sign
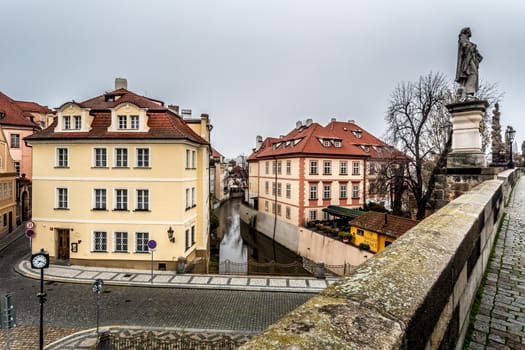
30 225
152 244
30 233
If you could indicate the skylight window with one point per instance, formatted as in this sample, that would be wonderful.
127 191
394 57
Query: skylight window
357 133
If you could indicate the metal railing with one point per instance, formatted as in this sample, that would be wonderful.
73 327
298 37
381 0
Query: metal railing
110 341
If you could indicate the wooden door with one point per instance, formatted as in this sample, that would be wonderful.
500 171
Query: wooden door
63 244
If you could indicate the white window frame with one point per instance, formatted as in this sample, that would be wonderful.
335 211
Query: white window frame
355 168
119 161
122 121
14 140
288 191
313 192
188 159
62 198
134 122
142 157
118 204
187 197
119 243
77 122
60 160
288 167
66 122
343 168
142 199
100 241
193 159
142 245
313 215
327 167
102 162
355 191
97 204
193 192
192 234
343 192
187 244
327 191
314 167
288 212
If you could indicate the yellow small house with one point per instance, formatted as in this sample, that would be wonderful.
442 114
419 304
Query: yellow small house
117 173
378 230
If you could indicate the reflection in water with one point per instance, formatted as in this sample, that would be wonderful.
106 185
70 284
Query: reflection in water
232 247
240 245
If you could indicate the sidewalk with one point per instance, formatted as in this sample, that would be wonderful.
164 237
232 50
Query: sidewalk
500 321
169 279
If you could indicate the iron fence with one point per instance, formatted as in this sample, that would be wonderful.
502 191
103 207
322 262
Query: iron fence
228 267
110 341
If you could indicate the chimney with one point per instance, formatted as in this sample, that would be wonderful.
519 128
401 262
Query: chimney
333 120
298 125
258 142
185 113
121 83
174 108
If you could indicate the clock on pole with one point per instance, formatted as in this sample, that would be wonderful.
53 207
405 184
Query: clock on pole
40 260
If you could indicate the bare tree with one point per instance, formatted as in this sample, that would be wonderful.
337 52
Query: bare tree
418 124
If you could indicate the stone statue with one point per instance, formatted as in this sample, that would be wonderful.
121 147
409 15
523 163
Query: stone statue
498 148
467 67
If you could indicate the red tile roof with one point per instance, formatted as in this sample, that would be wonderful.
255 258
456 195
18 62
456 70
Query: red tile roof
215 153
28 106
13 114
162 122
350 138
390 225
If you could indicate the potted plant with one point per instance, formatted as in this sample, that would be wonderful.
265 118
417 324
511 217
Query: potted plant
346 237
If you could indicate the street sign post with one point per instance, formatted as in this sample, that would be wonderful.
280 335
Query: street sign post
152 244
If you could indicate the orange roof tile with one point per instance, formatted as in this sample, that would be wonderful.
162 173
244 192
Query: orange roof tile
162 122
13 114
343 139
390 225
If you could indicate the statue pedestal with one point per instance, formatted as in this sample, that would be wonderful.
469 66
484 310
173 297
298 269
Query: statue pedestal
466 136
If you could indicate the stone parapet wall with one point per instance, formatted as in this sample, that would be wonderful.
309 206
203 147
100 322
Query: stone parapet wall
416 294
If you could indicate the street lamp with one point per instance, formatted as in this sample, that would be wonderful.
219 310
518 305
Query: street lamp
97 289
510 133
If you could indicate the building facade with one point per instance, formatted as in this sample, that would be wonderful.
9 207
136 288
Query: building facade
115 172
8 180
296 175
19 119
375 231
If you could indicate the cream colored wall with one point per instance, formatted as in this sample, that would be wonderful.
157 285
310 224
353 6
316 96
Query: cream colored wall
167 178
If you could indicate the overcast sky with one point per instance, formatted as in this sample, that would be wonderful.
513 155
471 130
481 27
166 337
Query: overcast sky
257 67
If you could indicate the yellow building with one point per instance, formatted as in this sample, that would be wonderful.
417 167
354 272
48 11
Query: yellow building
7 188
115 172
374 231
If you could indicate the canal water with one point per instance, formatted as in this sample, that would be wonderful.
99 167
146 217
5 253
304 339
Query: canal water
235 247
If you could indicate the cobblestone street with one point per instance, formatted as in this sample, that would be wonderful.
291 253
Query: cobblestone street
27 337
500 322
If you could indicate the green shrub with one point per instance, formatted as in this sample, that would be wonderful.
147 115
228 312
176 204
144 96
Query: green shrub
364 246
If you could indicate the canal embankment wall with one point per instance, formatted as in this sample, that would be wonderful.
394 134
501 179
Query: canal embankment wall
312 245
417 294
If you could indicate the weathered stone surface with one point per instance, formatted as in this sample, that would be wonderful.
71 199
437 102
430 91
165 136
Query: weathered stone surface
331 323
397 299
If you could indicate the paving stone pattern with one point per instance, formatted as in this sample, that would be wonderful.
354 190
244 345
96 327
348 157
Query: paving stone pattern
500 322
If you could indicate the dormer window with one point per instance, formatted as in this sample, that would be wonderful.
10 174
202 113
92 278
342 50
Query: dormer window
337 143
365 148
122 122
326 143
109 98
67 122
134 121
2 115
77 122
357 133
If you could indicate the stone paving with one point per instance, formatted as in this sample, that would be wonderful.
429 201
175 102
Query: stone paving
500 322
114 276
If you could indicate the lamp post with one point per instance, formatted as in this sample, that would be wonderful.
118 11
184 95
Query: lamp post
97 289
40 261
510 133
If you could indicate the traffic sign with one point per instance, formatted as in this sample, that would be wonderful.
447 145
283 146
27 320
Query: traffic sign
152 244
30 233
30 225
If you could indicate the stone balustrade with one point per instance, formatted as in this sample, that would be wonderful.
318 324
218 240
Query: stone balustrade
417 294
